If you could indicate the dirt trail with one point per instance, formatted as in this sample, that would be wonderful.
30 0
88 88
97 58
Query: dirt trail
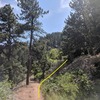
29 92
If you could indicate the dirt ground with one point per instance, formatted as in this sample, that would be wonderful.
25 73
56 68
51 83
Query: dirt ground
29 92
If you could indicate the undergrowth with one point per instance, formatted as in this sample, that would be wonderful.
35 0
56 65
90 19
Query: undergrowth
69 86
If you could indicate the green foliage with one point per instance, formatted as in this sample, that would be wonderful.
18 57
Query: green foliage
53 55
45 56
30 13
10 35
5 91
81 28
72 86
40 64
17 64
38 75
53 40
54 96
85 85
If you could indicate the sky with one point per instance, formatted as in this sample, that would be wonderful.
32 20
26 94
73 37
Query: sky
54 20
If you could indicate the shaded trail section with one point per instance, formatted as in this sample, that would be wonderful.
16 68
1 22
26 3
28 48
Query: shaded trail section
29 92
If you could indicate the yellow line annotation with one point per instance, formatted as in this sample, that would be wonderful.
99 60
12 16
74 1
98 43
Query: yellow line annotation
39 87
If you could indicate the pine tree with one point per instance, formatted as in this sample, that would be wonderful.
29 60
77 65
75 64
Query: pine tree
30 12
10 32
81 30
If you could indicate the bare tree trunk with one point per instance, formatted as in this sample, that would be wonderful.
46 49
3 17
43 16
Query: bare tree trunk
29 61
29 65
9 58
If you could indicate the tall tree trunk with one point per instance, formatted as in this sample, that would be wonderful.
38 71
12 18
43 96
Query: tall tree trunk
29 65
29 61
9 57
10 74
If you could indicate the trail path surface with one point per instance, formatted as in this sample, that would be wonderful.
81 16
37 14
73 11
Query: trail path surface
29 92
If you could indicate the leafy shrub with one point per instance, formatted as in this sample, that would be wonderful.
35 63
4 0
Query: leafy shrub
53 55
5 91
70 86
38 76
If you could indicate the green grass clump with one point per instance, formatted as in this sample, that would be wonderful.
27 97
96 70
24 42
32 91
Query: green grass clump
5 91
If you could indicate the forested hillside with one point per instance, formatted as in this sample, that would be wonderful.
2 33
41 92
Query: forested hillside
28 53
